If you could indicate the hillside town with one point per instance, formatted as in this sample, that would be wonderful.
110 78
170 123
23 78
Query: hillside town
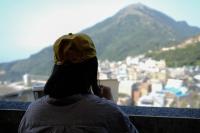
146 82
141 81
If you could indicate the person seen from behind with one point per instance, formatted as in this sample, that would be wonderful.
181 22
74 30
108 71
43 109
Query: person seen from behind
74 102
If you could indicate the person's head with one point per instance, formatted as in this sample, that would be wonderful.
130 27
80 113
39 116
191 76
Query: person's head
76 66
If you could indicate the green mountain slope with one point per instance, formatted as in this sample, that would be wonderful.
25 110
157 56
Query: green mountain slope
38 64
188 55
134 30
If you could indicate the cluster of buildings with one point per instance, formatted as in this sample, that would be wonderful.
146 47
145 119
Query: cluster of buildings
147 82
139 81
21 90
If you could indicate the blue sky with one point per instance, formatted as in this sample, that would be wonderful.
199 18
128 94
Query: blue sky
27 26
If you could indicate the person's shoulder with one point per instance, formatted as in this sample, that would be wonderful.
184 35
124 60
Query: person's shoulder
104 103
37 103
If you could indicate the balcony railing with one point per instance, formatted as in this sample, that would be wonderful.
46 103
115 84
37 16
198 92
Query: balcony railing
146 119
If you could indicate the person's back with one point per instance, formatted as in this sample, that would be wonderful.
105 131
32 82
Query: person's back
76 114
73 102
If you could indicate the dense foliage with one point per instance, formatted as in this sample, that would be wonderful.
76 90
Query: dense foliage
187 56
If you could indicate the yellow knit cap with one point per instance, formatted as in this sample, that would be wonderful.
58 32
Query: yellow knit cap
74 48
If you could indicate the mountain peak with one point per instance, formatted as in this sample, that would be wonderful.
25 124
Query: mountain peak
133 9
138 6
